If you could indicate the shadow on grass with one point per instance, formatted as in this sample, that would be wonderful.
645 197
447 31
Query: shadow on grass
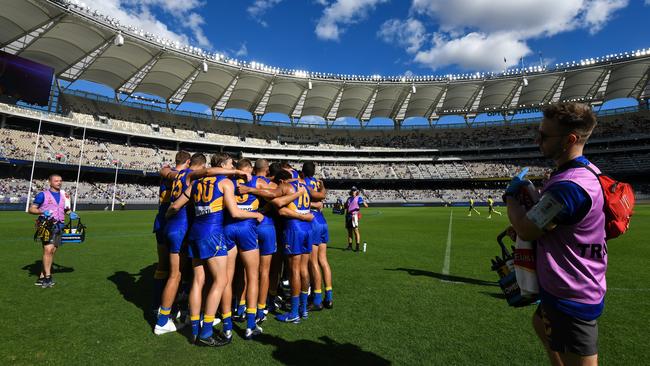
326 352
137 288
495 295
443 277
344 249
35 268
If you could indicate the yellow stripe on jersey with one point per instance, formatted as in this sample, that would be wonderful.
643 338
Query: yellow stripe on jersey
216 205
165 196
253 206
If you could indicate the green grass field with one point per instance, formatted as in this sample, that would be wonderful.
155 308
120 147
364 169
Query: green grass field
392 304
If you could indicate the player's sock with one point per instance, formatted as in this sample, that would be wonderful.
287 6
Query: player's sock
250 317
295 305
328 294
196 324
163 316
159 281
260 311
241 308
318 297
206 330
227 321
303 301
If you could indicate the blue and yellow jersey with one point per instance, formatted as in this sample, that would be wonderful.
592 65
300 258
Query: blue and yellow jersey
208 201
164 201
178 186
490 202
300 205
265 207
245 202
471 202
315 185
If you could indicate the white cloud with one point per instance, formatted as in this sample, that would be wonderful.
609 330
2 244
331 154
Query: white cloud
474 51
242 51
409 33
342 13
259 8
478 34
141 14
599 12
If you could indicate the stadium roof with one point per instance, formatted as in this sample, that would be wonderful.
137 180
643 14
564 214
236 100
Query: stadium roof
81 44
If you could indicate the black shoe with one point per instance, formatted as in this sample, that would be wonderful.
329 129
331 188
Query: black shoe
239 318
328 304
225 337
211 341
39 281
349 247
313 307
48 282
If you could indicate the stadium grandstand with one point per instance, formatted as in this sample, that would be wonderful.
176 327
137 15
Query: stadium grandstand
132 136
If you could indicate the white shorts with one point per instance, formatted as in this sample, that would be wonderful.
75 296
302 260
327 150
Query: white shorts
352 220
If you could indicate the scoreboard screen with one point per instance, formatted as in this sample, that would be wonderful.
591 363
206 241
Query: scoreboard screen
25 80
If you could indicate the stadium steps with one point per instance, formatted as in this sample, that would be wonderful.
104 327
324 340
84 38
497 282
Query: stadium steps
51 151
356 169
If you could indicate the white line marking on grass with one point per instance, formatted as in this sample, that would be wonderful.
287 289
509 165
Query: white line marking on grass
445 266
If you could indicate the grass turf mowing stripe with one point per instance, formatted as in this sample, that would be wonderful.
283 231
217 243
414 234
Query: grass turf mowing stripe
373 321
445 266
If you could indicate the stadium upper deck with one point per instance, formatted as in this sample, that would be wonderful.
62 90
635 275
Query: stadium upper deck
79 44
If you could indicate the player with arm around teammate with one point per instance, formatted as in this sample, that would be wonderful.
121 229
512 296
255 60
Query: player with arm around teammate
270 230
319 239
182 161
295 240
207 248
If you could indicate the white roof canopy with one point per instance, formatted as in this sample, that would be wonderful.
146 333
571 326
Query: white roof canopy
65 39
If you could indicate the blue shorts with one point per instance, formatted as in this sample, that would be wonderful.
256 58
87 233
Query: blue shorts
159 223
243 235
267 239
175 237
319 233
207 246
296 241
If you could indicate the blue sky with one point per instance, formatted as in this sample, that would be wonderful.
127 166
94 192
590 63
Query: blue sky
395 37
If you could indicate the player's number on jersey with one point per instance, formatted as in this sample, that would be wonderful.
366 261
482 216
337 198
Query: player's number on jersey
177 186
204 190
241 198
304 201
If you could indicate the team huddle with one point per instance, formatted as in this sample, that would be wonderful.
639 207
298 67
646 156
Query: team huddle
226 234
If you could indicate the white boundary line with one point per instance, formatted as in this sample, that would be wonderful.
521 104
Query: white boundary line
445 266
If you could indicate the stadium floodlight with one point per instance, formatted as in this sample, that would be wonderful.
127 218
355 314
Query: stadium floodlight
204 66
119 40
